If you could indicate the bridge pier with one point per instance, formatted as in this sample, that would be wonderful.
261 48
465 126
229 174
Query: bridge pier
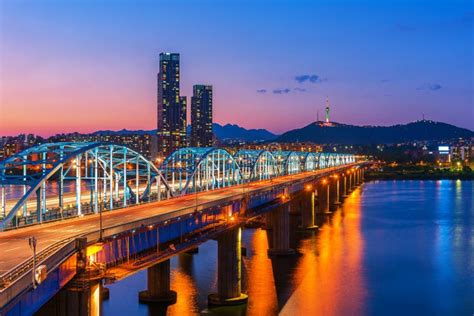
343 187
359 176
350 187
334 199
229 290
281 231
158 283
323 196
77 299
307 211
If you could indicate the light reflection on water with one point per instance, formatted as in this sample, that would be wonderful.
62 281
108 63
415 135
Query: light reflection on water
395 247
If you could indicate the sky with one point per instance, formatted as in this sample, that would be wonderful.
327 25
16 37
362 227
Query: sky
87 65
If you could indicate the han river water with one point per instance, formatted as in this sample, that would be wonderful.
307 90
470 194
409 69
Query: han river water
393 248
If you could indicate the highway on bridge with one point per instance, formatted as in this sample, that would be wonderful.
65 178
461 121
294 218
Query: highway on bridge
14 243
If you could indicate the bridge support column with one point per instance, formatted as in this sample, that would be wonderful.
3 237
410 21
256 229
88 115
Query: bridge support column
281 231
307 213
39 215
323 196
334 200
351 182
359 176
342 187
228 270
268 221
158 281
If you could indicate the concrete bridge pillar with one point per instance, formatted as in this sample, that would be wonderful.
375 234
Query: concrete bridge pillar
323 196
76 299
307 212
342 187
334 192
351 182
268 221
281 231
158 285
228 270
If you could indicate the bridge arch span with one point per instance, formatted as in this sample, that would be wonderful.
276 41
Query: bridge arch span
256 164
88 177
198 169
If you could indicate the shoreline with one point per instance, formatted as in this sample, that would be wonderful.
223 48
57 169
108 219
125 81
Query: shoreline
392 176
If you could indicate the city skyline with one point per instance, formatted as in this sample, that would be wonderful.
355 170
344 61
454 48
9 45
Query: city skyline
386 69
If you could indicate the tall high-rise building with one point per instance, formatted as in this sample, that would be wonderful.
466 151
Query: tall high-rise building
201 116
171 106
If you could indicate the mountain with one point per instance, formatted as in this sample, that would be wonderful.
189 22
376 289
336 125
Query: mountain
424 130
228 132
234 132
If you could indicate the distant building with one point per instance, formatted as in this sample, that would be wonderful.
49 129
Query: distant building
327 110
327 122
171 106
201 116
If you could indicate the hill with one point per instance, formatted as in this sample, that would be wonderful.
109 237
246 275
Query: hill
363 135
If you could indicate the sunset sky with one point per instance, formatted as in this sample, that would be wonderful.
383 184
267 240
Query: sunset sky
87 65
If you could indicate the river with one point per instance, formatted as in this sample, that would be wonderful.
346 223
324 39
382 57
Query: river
394 247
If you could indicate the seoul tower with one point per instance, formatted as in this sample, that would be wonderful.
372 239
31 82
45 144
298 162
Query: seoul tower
327 110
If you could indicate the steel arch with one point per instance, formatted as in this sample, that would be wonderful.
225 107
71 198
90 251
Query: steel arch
310 161
78 163
256 164
200 169
288 162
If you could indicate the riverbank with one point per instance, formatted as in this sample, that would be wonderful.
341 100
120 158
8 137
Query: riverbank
419 174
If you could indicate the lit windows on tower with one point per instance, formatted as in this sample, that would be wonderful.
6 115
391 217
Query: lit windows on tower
201 116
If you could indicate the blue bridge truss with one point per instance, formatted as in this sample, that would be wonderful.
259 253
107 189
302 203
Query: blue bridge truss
61 180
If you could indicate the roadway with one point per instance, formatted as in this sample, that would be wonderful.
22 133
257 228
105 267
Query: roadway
14 248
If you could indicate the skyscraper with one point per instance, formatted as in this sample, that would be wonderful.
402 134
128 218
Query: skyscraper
171 106
201 116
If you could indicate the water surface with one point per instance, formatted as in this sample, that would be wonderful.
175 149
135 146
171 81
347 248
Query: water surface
395 247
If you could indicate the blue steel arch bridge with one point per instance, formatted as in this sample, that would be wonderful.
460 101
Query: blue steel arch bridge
62 180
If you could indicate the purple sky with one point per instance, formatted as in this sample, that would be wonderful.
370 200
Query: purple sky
88 65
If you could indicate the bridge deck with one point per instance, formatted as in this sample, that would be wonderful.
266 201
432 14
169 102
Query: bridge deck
14 244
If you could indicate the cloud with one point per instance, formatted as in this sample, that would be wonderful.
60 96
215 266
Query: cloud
384 80
281 91
262 91
309 78
300 89
430 86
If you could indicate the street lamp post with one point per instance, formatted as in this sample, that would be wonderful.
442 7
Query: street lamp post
101 206
32 242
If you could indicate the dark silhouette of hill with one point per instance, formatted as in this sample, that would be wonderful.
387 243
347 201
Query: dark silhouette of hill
424 130
226 132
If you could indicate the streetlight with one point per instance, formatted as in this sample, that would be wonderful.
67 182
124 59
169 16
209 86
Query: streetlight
32 242
195 185
101 205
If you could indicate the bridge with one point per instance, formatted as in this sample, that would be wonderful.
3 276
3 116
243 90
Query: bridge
96 207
